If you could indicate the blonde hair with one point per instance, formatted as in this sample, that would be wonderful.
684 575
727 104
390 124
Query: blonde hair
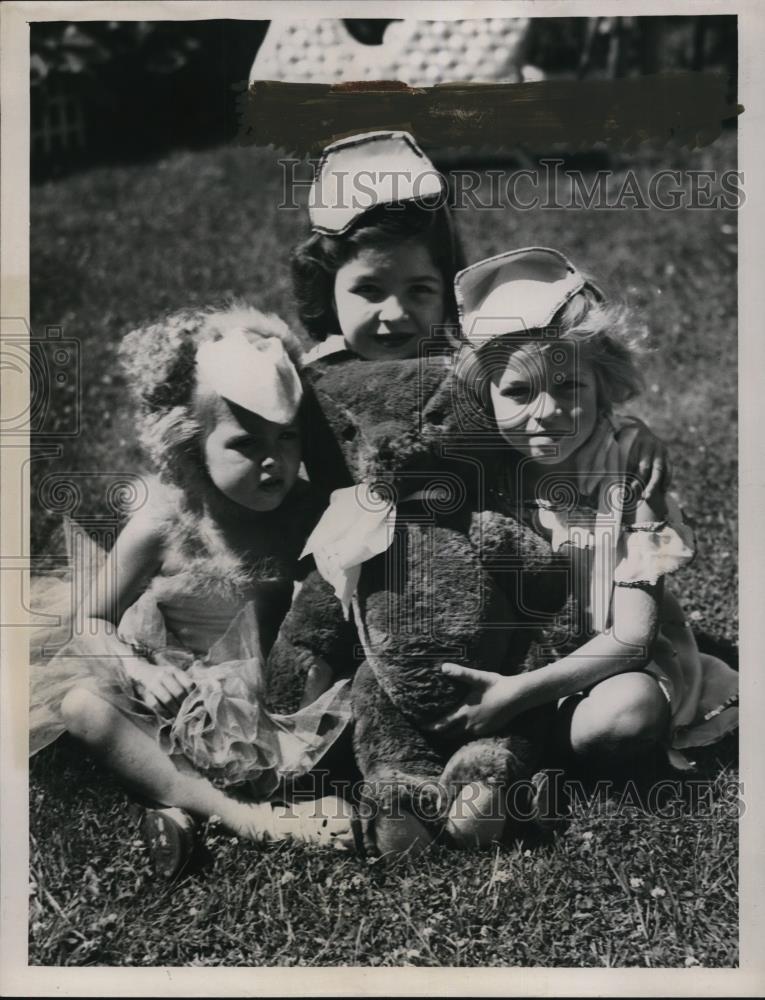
612 343
159 361
611 340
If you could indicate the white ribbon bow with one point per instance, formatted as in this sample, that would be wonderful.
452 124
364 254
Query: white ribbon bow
357 525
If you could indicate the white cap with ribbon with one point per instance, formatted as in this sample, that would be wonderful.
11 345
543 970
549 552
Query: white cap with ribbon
360 172
515 292
257 375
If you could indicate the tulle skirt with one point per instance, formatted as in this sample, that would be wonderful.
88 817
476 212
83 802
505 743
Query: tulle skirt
222 727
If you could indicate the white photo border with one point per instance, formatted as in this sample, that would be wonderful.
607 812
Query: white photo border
16 977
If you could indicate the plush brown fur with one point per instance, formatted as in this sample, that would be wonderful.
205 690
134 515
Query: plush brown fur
313 636
461 582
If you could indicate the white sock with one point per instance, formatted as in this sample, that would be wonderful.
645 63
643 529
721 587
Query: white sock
253 821
325 821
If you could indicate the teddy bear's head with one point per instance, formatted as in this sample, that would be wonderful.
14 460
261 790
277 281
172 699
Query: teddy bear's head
383 422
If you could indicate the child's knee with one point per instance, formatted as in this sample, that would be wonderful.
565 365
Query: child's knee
644 716
626 713
87 716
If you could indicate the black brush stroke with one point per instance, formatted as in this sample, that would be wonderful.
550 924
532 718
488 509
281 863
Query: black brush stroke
686 108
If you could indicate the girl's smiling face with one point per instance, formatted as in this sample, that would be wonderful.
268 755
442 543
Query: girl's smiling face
545 400
387 299
252 461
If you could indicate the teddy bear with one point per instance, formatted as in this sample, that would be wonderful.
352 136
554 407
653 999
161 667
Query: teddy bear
460 580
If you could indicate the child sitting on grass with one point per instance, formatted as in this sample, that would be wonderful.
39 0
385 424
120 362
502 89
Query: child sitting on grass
550 360
197 584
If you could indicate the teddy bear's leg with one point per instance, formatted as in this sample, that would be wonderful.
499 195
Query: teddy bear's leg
314 648
402 797
476 778
480 813
477 815
483 775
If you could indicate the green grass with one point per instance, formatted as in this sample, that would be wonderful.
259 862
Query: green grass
621 887
114 247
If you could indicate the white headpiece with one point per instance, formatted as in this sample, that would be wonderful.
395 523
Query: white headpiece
257 375
358 173
515 292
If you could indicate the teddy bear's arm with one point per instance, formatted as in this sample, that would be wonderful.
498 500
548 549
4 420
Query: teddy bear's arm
423 602
494 535
533 578
315 646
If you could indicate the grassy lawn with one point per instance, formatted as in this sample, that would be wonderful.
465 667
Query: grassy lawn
624 885
621 887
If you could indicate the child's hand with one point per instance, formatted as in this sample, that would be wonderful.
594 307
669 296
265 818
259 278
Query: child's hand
161 687
493 700
649 461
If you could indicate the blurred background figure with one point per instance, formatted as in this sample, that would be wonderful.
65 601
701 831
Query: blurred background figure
495 50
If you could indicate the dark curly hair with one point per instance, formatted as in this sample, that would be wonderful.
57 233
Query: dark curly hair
316 260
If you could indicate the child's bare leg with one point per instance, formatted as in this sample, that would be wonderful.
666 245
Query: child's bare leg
622 716
132 752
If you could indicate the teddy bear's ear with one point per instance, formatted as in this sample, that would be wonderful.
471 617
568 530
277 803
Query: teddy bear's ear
388 455
440 415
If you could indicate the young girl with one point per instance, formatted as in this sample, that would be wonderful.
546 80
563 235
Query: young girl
376 276
198 582
551 360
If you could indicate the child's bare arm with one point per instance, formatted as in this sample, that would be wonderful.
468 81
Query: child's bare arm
494 700
625 647
134 560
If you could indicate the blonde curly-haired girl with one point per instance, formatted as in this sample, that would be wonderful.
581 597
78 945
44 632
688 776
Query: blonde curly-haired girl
165 687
